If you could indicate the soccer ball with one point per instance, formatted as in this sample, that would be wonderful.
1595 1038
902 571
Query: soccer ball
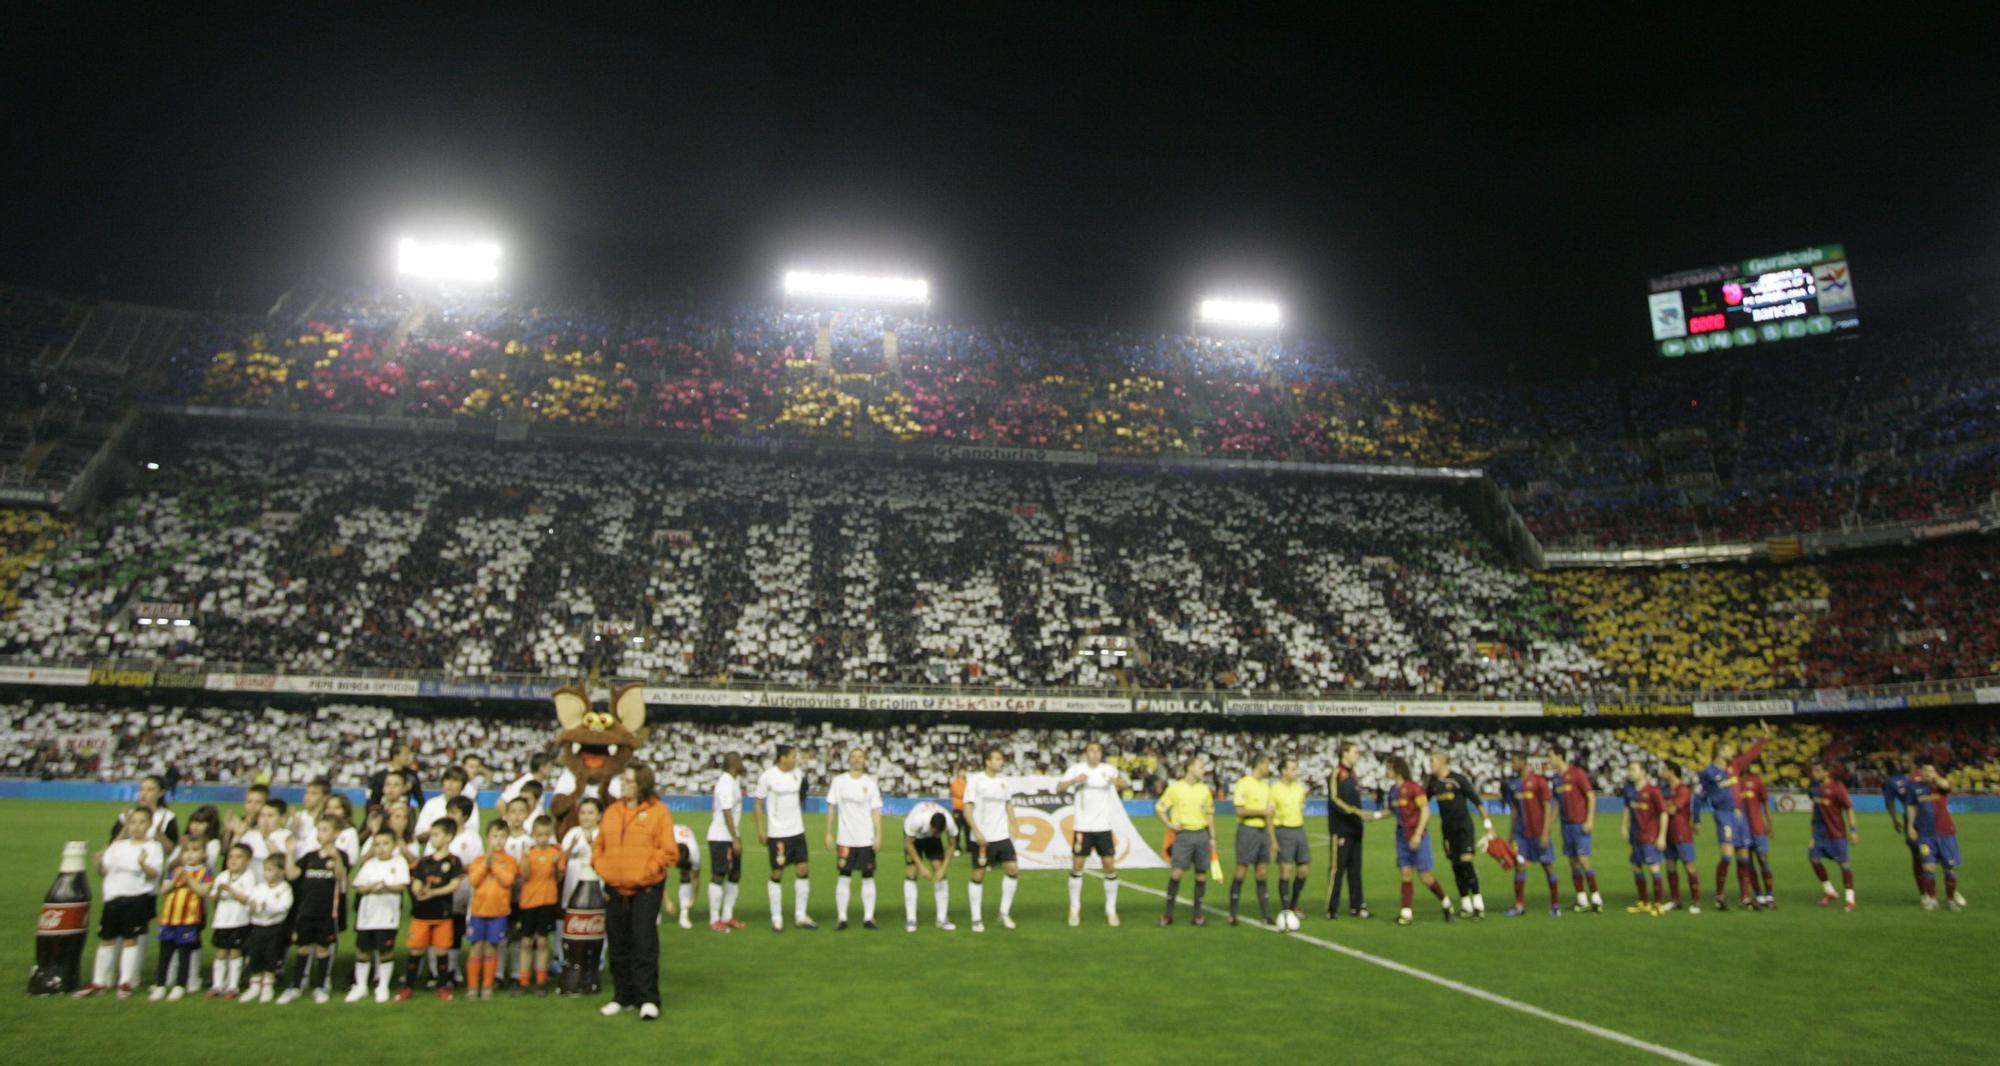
1288 922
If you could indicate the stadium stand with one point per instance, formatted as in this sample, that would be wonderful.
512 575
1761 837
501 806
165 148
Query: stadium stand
56 739
342 553
1894 428
231 744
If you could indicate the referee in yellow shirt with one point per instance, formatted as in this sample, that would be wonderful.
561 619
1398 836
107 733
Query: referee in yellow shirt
1288 796
1256 837
1188 807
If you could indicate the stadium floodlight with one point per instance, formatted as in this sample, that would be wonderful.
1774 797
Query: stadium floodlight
865 287
448 260
1225 311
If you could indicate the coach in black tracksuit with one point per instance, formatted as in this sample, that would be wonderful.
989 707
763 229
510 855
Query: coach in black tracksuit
1457 800
1344 817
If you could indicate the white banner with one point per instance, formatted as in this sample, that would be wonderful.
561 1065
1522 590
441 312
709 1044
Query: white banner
43 675
99 742
242 682
1382 709
1471 710
1042 822
1743 708
887 701
712 697
997 702
1986 695
348 686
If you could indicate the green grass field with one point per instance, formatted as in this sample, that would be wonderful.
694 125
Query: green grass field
1799 984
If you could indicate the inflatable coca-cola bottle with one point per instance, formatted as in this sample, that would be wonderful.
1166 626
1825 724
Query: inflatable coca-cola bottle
583 935
60 934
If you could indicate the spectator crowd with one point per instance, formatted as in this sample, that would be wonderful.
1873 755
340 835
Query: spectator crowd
337 554
198 743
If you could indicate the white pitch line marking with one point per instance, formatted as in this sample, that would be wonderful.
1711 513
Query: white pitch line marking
1475 992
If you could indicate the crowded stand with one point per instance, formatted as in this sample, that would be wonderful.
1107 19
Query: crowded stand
1898 427
325 554
206 743
330 553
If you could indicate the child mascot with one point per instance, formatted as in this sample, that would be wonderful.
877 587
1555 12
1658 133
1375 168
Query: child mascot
595 746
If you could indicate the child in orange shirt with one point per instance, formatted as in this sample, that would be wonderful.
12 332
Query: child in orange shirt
492 877
541 906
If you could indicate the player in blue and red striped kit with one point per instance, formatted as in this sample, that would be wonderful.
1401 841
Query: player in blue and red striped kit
1683 814
1528 796
1936 835
1645 824
1833 829
1732 831
1576 802
1412 811
1754 797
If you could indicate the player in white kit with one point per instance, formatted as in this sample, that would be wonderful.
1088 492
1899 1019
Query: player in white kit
1098 785
930 841
989 807
854 826
725 845
781 828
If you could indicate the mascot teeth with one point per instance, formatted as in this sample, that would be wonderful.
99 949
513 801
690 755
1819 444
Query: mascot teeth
576 749
614 749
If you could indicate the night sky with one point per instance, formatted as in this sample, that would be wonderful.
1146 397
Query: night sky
1453 193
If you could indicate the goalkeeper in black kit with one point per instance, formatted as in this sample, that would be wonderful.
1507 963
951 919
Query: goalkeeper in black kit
1458 802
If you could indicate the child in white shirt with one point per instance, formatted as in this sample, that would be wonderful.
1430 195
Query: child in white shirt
231 930
269 903
130 867
379 884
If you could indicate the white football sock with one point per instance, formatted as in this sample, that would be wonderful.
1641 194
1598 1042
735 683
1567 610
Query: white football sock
384 971
841 892
1075 892
360 971
129 962
909 901
867 899
1828 886
729 901
687 898
802 890
107 964
1007 888
235 974
1850 895
218 972
941 892
714 903
976 894
776 893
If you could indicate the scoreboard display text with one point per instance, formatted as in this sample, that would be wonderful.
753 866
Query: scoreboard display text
1763 300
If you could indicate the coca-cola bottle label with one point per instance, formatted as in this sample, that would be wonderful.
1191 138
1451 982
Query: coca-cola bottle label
583 925
67 919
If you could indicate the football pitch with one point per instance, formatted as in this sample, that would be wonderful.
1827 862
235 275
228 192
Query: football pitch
1798 984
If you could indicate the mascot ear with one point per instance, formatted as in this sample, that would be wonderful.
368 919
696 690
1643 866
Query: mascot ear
630 703
571 703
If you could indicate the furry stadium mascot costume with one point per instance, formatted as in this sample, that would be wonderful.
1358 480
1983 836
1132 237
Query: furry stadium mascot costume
596 745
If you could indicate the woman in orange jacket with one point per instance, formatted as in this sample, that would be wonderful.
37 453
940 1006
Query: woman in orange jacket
633 852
